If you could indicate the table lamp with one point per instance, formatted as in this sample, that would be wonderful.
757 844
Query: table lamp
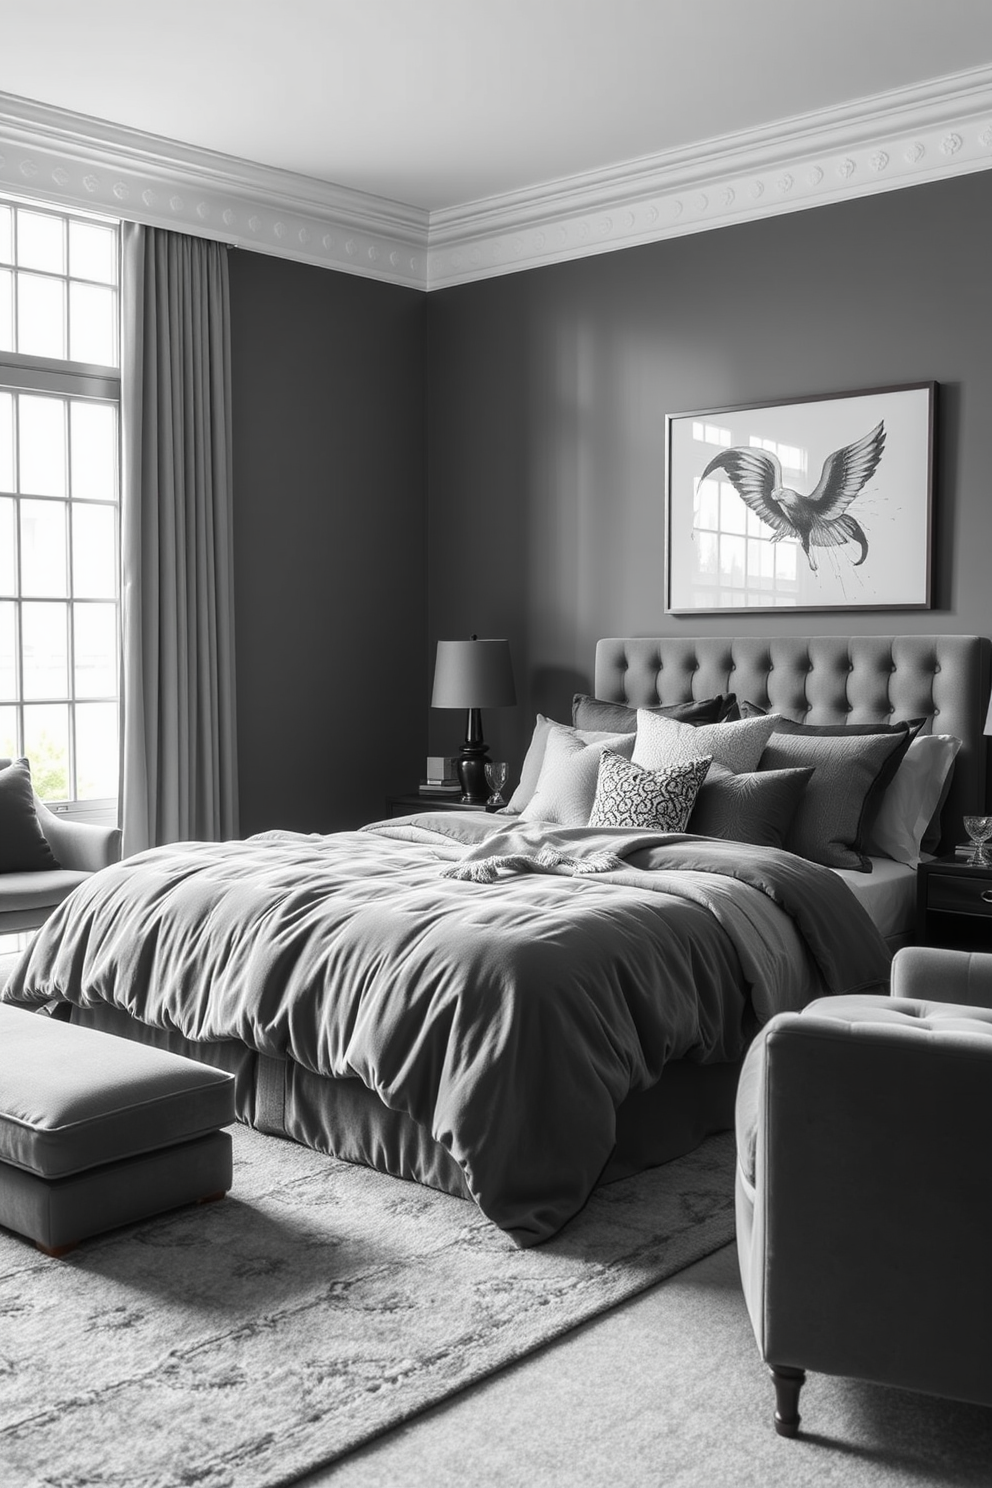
473 675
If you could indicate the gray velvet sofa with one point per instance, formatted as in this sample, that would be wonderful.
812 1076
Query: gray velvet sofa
864 1202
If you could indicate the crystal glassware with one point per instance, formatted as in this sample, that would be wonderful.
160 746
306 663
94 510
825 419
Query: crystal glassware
979 829
496 777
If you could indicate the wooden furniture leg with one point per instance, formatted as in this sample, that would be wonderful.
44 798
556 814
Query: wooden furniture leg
788 1382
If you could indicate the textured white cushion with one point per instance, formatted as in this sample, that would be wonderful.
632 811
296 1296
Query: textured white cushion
659 800
530 771
566 786
912 797
662 742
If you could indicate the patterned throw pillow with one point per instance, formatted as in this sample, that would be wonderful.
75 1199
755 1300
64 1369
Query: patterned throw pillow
658 800
662 742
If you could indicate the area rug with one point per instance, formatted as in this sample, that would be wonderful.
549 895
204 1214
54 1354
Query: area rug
243 1343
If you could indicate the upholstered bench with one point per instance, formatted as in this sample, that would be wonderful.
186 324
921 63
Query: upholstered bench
96 1131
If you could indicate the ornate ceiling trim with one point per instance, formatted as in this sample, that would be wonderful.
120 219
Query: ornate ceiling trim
935 130
76 161
939 129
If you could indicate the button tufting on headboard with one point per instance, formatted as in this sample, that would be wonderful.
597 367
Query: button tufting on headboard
824 679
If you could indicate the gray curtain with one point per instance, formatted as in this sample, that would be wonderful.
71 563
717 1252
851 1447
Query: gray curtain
178 748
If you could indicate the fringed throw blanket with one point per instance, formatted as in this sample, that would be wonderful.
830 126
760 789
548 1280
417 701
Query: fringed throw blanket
533 847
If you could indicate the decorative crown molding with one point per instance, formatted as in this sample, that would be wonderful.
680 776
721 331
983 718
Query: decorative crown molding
937 129
928 132
76 161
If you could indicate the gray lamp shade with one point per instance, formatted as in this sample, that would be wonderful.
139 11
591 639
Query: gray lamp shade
473 674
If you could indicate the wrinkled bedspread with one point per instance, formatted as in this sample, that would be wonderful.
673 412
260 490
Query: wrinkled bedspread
509 1019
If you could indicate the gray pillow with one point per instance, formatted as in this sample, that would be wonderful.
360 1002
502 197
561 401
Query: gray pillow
530 770
787 725
662 742
850 773
595 713
756 808
23 845
566 787
656 800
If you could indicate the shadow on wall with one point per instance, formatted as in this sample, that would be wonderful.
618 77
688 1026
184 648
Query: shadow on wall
551 692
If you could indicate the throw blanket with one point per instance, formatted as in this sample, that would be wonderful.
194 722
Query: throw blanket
508 1019
534 847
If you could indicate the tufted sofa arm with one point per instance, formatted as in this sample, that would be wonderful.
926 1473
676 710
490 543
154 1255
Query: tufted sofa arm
962 977
864 1131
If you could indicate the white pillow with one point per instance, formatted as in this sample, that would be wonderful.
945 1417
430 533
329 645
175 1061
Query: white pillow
530 771
912 797
566 787
662 742
656 800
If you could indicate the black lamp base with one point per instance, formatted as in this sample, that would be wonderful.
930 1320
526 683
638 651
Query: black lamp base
472 774
471 762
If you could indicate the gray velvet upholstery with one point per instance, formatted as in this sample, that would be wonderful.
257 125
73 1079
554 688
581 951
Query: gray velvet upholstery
57 1213
96 1131
863 1202
72 1098
823 679
27 899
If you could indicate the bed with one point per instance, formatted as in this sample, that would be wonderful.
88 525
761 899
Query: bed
574 1017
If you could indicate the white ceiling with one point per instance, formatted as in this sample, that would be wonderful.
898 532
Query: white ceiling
439 103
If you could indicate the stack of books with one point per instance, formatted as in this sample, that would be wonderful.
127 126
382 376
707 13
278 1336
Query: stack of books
441 778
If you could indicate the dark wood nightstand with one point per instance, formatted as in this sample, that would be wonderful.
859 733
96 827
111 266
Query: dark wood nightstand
422 801
954 903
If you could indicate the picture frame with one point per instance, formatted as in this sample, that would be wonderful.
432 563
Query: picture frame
815 503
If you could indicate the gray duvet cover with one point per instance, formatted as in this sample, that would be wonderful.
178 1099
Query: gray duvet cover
508 1018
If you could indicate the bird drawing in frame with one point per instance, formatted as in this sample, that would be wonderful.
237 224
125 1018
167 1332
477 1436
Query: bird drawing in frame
819 520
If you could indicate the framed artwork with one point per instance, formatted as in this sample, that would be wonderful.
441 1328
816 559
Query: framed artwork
816 504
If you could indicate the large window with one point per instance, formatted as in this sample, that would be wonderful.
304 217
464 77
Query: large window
59 502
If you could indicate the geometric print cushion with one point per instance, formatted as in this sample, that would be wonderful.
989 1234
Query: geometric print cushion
659 800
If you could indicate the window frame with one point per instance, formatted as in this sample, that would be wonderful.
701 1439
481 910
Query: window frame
79 381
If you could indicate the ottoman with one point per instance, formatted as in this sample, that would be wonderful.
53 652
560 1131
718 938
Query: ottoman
96 1131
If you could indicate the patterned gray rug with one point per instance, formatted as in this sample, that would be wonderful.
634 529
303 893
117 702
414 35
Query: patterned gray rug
243 1343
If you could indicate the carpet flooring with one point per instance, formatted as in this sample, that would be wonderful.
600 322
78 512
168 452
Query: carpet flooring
667 1391
244 1343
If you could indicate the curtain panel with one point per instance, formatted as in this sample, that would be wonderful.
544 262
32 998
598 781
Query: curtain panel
178 742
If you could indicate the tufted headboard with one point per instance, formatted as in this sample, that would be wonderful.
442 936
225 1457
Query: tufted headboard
823 679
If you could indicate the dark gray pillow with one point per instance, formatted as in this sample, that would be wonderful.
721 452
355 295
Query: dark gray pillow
618 718
850 772
23 845
785 725
756 808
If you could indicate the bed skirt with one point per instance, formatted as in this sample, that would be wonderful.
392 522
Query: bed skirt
345 1119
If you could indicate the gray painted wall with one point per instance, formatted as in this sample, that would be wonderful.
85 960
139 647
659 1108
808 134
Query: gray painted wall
548 391
328 392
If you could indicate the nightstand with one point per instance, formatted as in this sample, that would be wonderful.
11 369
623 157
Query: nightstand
954 904
422 801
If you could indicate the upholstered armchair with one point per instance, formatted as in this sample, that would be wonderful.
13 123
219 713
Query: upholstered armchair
28 898
864 1185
